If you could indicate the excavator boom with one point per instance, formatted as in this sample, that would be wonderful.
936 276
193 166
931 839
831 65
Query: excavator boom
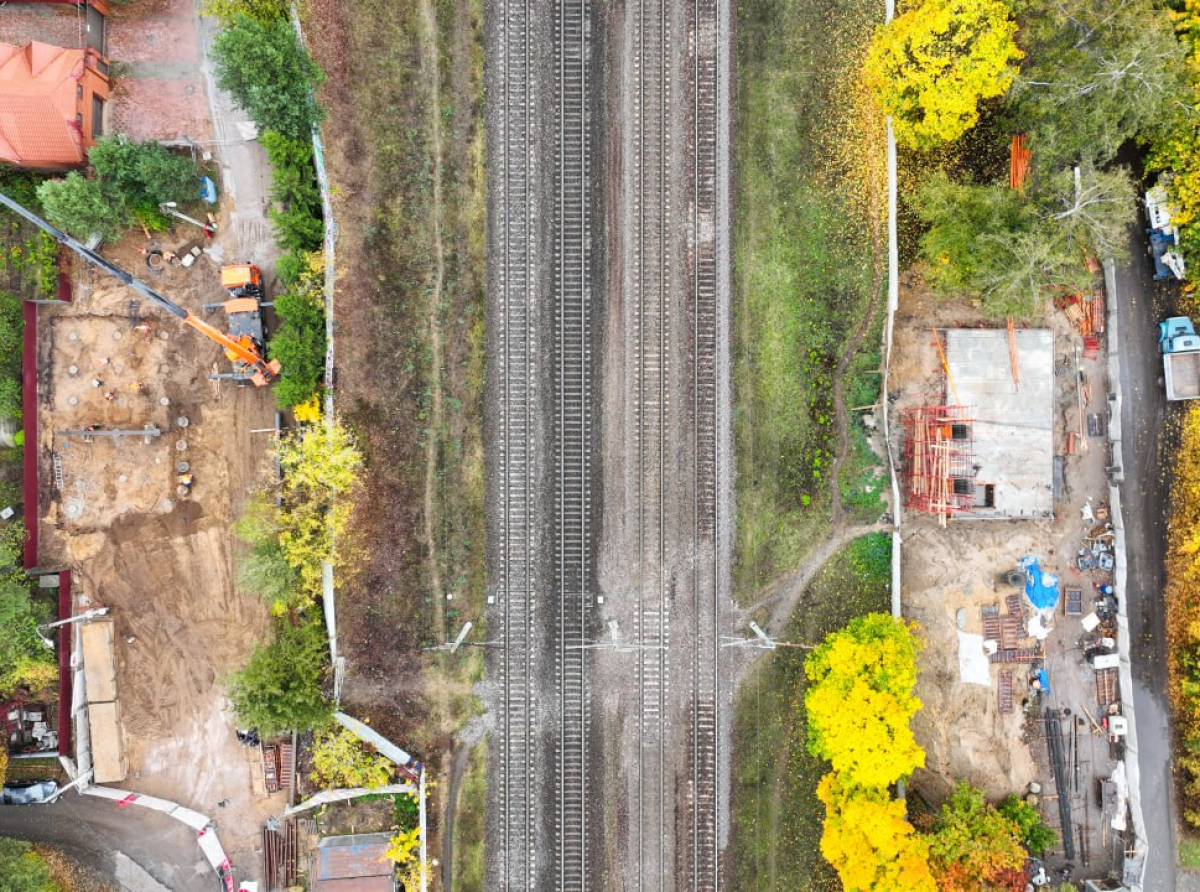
264 372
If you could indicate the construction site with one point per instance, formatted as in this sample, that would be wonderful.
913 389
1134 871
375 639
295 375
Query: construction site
1008 567
143 462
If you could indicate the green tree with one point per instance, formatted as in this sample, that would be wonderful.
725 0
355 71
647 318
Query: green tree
228 11
1031 829
84 207
869 841
931 67
281 687
974 848
22 869
859 701
1096 73
144 174
262 65
266 572
958 218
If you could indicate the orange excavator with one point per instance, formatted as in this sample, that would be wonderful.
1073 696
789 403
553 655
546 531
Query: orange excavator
243 344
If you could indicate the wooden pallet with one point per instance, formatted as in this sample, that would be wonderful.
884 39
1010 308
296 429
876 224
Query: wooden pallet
1006 691
287 765
991 622
1106 687
1015 604
1017 655
1012 630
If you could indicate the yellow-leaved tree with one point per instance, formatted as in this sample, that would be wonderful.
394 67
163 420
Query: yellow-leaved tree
859 701
931 67
869 841
342 760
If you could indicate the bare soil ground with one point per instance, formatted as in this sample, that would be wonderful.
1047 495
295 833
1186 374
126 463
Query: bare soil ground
964 734
161 561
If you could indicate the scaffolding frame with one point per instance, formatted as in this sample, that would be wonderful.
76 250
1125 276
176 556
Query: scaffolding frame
938 452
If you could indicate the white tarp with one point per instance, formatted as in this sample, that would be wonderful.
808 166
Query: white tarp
973 666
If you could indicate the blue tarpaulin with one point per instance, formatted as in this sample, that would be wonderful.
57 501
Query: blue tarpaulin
1040 588
1044 678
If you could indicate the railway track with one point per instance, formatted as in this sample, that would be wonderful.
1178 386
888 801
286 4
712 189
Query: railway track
573 445
516 580
704 733
651 277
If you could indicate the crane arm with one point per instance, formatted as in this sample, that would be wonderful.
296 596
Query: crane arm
92 257
236 349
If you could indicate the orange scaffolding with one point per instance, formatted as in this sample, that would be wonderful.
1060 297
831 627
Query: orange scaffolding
939 462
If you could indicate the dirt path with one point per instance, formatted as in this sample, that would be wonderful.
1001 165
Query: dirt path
430 72
840 412
785 594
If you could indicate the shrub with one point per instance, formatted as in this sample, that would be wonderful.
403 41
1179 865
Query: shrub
228 11
320 471
974 848
1031 829
143 174
83 208
299 225
281 687
299 344
342 760
268 73
22 869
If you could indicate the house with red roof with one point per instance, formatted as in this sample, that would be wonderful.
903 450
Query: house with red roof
51 104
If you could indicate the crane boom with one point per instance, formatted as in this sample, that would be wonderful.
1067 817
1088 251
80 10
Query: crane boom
239 349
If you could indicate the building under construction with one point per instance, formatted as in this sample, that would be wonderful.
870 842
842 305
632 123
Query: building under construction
988 450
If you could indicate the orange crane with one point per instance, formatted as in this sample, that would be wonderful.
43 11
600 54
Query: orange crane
241 347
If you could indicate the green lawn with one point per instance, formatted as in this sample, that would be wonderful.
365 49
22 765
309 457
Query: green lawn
803 268
777 818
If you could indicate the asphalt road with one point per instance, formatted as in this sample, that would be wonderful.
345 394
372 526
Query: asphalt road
1148 425
92 831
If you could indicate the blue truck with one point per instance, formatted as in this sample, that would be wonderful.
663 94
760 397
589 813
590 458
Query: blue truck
1180 348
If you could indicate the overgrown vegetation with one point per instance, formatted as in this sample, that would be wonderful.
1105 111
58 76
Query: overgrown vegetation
1092 75
777 815
1182 598
299 344
1177 148
24 870
804 245
25 661
340 759
128 182
261 62
290 532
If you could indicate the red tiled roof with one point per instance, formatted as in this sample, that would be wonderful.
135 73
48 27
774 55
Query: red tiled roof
38 104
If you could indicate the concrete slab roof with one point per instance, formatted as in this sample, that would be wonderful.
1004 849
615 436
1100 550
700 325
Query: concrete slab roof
1013 430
